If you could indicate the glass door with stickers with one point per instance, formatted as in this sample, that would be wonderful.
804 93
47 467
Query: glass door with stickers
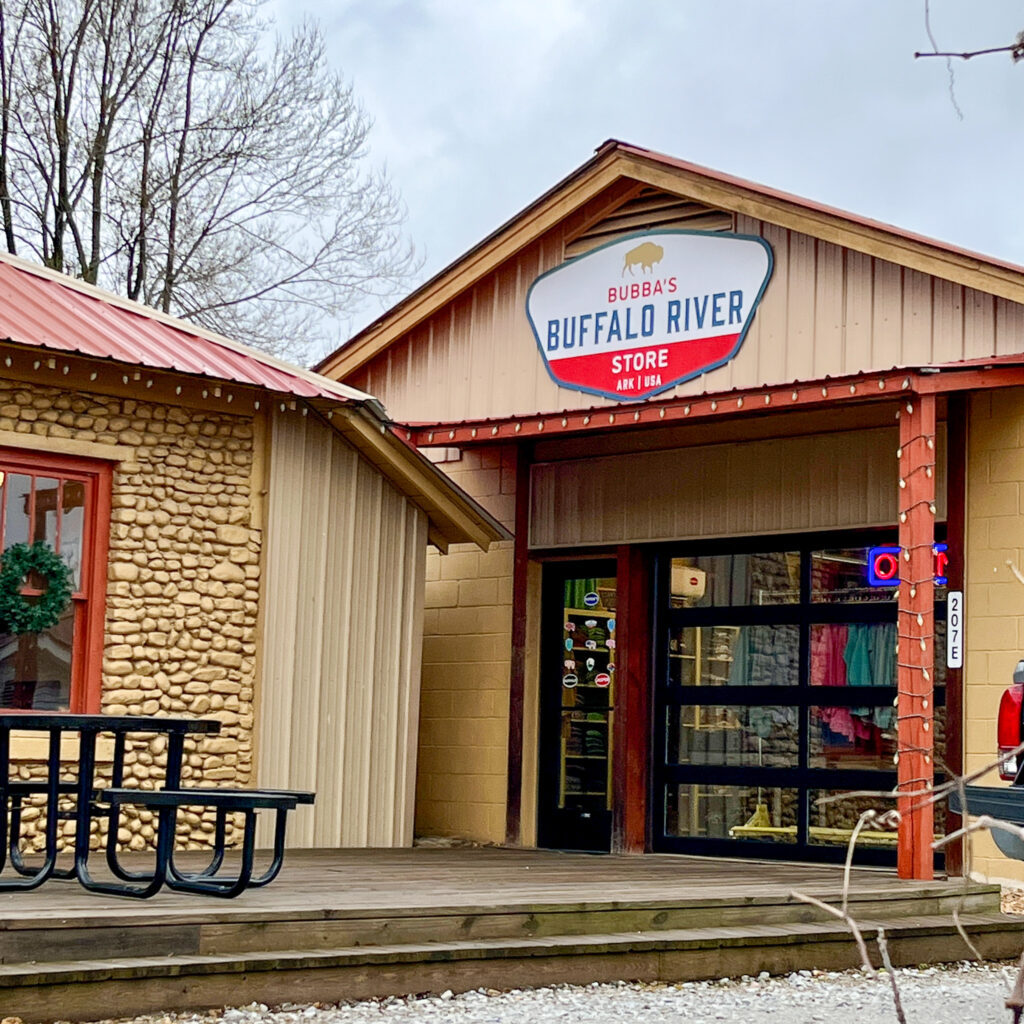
577 706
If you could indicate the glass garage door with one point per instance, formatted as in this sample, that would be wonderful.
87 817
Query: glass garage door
776 672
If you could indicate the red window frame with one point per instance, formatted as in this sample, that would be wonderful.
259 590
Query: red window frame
90 597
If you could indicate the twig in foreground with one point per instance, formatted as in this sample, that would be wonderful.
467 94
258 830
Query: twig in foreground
1015 1002
865 960
883 949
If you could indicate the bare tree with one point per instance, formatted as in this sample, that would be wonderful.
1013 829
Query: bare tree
180 153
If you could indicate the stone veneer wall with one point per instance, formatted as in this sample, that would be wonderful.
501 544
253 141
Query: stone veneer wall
183 577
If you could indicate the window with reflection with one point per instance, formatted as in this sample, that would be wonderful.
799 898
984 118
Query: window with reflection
53 501
749 655
840 576
833 815
737 735
734 580
732 812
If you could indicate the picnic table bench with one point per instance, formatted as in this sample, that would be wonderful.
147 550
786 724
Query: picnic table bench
85 800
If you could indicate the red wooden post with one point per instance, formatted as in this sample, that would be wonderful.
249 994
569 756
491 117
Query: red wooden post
916 632
632 724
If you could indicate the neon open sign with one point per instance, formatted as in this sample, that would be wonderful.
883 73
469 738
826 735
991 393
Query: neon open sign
884 565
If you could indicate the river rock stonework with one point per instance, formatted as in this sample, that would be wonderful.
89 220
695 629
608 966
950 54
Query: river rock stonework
182 584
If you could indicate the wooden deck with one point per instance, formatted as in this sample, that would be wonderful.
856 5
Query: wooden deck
357 923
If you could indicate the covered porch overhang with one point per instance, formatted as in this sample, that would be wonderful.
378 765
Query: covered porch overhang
918 397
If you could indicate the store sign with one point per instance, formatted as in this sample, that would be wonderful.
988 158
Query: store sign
884 565
642 314
955 629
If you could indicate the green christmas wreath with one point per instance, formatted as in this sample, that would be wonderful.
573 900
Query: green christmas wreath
19 614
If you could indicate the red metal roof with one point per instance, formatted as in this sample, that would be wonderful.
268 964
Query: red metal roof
43 308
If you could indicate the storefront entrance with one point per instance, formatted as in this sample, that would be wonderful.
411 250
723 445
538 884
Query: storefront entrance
578 695
774 680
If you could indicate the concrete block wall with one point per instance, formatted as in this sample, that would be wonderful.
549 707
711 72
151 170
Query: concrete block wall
994 598
467 644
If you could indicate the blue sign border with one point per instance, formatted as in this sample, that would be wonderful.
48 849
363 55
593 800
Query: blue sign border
680 380
894 550
873 553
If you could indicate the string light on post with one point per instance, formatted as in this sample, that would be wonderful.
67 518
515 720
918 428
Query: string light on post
915 630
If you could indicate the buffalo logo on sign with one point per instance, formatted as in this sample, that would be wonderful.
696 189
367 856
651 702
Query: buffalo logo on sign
639 315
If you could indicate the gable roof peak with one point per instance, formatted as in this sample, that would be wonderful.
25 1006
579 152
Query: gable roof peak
617 161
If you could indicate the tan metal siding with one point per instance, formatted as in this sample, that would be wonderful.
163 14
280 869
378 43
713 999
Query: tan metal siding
650 210
827 310
821 482
342 639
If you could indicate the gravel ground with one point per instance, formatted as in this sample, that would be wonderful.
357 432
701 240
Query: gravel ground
958 994
1012 900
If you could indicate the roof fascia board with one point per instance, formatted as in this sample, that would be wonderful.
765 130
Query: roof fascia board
892 246
453 516
50 367
588 182
184 326
757 402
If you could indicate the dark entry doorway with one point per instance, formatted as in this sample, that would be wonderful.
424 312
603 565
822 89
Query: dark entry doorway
577 706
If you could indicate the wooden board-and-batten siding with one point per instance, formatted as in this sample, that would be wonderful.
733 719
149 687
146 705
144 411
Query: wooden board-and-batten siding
834 481
827 310
342 639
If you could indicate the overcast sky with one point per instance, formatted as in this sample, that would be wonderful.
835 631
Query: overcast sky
482 105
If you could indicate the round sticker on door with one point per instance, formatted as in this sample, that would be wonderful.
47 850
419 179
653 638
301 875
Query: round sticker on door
591 600
569 681
602 679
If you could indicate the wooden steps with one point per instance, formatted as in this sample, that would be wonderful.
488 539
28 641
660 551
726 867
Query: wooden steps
110 936
87 989
405 924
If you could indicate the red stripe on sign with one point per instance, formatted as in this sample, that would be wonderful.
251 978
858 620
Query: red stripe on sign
637 372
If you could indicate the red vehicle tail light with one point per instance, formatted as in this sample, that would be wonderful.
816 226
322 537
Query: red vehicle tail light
1009 730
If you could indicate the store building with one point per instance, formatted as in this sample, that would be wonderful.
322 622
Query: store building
247 542
744 443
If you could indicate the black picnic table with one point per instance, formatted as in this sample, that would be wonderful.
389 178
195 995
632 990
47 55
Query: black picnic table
89 802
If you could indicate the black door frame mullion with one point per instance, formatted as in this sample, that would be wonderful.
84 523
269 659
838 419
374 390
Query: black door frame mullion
803 810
